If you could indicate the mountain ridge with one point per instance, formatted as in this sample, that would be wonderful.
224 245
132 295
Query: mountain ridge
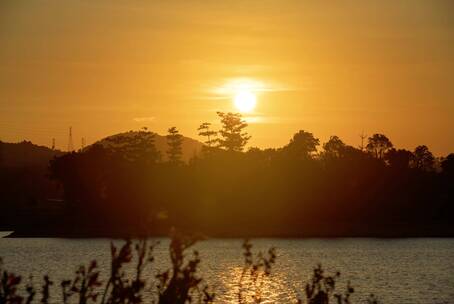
190 147
26 153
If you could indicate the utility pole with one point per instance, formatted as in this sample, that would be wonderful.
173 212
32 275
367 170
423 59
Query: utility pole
363 137
70 140
53 143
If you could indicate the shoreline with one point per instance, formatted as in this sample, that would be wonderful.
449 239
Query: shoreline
15 234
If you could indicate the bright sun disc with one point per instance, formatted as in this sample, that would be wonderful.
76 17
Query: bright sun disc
245 101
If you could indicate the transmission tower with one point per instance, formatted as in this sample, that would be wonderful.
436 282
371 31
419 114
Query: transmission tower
53 143
363 137
70 140
82 144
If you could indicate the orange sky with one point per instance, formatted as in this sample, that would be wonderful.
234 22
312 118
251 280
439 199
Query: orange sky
104 67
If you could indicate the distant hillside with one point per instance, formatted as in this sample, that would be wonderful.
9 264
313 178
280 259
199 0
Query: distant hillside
190 146
25 154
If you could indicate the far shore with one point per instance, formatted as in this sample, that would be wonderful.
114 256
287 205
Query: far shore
429 231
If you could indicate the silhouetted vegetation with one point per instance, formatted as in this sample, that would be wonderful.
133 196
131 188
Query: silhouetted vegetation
322 288
232 138
304 188
205 131
180 284
255 270
175 142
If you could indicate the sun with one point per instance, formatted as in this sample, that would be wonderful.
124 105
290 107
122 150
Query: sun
242 92
245 101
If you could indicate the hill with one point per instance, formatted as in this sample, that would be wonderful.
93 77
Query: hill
190 146
25 154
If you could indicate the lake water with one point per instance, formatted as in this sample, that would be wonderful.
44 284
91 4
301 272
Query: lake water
398 271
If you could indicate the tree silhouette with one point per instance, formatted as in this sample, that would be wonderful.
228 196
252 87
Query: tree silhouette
205 131
378 145
174 141
448 165
334 148
399 159
284 191
232 136
133 146
423 159
302 145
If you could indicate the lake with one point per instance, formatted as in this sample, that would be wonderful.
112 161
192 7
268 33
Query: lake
396 270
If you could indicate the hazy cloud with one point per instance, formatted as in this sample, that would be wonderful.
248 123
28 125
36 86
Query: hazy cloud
144 119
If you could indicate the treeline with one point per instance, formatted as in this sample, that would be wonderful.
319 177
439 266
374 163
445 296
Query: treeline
301 189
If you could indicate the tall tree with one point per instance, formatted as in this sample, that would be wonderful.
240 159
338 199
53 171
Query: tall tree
175 142
232 136
333 148
205 131
423 159
378 145
303 144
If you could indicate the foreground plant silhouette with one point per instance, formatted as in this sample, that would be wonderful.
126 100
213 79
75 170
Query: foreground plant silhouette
181 282
322 287
257 268
178 285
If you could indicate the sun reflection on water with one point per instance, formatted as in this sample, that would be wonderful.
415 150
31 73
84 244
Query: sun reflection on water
274 288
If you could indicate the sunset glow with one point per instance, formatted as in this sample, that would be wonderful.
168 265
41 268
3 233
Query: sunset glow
287 141
180 61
